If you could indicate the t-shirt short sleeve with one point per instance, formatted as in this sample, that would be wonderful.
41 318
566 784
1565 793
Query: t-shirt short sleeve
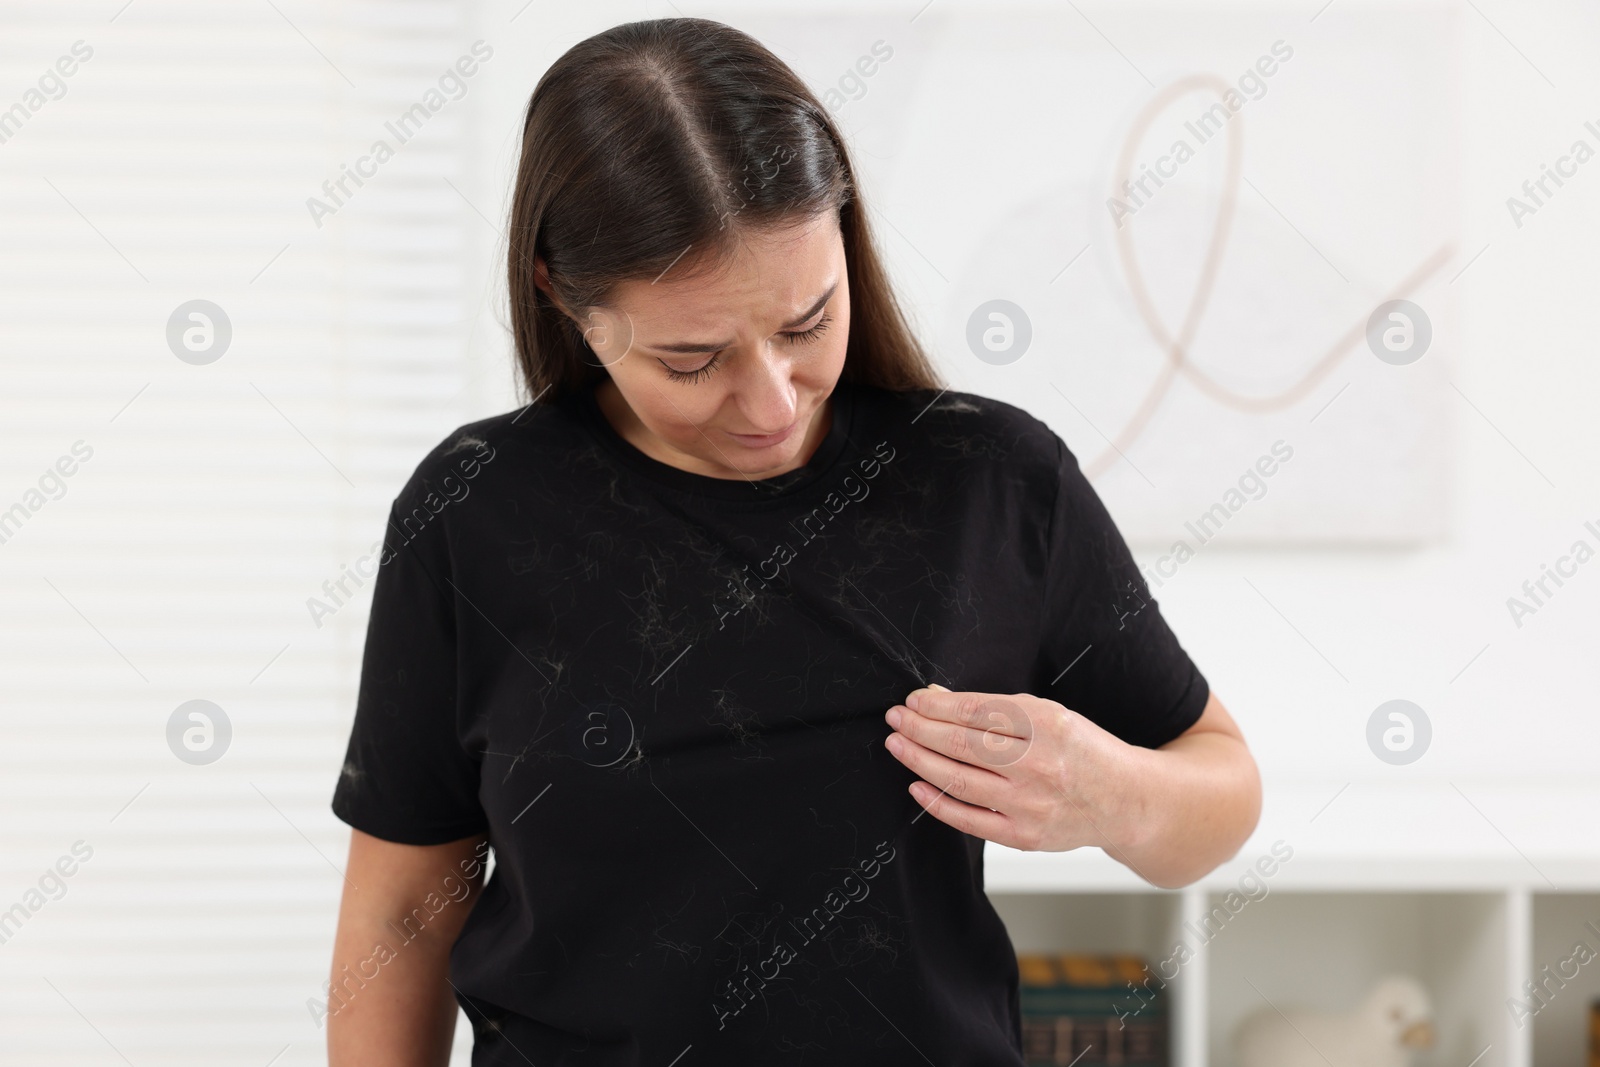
406 776
1106 652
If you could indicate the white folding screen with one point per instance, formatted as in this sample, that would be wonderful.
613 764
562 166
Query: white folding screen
222 468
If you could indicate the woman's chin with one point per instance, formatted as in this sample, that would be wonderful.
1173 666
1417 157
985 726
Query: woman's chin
751 461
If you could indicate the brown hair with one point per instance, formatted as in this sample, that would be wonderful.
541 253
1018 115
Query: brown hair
643 142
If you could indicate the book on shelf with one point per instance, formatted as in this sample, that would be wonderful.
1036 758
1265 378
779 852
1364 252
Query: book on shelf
1092 1010
1594 1033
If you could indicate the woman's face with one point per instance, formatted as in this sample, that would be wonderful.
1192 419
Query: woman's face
724 368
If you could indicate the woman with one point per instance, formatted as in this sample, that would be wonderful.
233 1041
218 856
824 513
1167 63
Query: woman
738 641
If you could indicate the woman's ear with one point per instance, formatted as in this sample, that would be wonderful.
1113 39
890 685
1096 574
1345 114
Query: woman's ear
608 334
541 280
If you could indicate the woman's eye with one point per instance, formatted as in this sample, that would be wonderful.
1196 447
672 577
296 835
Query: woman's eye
812 334
694 375
705 369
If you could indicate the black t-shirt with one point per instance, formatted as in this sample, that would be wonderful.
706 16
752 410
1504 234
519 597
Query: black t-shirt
661 695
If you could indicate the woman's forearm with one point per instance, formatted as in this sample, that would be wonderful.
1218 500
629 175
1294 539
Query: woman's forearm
390 1003
403 1015
1188 806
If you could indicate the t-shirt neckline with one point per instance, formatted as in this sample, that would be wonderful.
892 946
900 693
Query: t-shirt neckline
747 490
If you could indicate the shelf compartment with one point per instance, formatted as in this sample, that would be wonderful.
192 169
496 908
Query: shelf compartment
1326 950
1560 1025
1138 923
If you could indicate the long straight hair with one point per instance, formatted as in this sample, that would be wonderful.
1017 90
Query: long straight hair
660 137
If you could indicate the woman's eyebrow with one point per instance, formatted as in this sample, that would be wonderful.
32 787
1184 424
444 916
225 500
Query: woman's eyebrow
692 347
814 308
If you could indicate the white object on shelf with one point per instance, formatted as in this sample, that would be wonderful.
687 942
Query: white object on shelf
1395 1018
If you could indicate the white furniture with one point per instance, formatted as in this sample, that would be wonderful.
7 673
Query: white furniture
1473 929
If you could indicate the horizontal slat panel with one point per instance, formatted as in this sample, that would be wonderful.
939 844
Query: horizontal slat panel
177 166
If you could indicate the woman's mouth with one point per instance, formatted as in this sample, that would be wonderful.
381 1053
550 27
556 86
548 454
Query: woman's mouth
758 440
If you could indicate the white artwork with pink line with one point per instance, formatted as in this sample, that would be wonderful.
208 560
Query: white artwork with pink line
1204 221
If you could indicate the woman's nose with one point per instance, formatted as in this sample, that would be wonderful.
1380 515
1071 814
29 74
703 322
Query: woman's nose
765 395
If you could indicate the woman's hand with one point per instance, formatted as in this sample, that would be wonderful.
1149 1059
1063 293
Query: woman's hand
1029 773
1015 769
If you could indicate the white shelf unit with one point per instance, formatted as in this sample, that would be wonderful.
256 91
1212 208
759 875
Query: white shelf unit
1473 930
1560 922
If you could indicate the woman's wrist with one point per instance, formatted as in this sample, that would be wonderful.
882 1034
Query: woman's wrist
1187 807
1135 823
1106 790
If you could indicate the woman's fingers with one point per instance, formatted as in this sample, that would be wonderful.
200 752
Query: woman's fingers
993 733
968 818
989 712
965 782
